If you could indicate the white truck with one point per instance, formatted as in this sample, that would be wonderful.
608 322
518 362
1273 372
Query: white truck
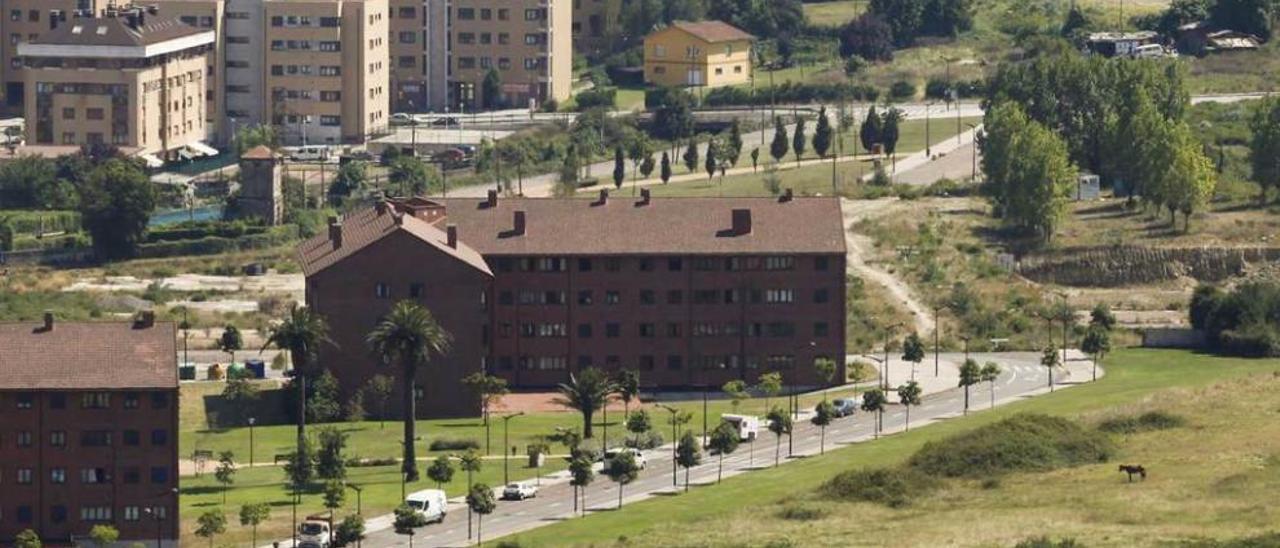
430 503
748 426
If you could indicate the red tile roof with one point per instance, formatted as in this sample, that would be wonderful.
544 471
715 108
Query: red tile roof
713 31
366 226
260 152
87 356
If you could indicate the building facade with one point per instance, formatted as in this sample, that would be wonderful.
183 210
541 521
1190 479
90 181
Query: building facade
24 21
595 24
89 430
689 292
130 78
704 54
206 15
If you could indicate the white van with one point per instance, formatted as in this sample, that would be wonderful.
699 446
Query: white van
307 153
748 426
1148 51
430 503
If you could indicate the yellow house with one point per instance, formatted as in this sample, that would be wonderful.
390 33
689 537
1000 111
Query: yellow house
706 53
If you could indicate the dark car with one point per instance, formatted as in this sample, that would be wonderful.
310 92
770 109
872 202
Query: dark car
446 121
844 406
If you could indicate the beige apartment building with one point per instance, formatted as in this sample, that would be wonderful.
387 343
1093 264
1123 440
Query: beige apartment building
327 62
23 21
528 42
703 54
129 78
204 15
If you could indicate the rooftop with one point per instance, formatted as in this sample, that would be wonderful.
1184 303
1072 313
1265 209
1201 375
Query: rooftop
358 229
713 31
130 32
54 355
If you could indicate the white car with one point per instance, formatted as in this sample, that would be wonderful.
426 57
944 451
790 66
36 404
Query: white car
316 532
519 491
403 119
635 453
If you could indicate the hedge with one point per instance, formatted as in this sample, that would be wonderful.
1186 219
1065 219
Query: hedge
790 92
204 229
213 245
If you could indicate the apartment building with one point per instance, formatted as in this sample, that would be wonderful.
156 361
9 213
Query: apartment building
24 21
88 430
690 292
595 24
206 15
528 42
327 61
130 78
705 54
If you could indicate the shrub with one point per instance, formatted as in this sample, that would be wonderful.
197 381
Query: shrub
802 512
1046 542
454 444
1021 442
360 462
1146 422
893 487
792 92
902 89
596 98
647 440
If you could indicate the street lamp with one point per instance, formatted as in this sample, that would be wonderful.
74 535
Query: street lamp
973 175
358 489
506 455
252 421
673 412
966 347
928 144
159 516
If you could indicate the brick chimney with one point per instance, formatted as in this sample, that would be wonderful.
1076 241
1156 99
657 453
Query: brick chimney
491 200
518 228
335 231
741 222
144 320
645 197
786 196
381 207
48 320
451 231
604 196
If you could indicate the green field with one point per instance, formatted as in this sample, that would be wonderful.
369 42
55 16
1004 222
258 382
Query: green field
1214 478
833 14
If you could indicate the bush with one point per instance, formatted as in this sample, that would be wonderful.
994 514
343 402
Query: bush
791 92
454 444
893 487
360 462
647 440
802 512
902 90
1146 422
1046 542
1022 442
597 98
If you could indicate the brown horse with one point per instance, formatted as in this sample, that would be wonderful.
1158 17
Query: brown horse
1134 469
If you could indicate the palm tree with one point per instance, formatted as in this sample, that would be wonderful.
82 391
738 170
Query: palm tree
300 334
586 393
409 335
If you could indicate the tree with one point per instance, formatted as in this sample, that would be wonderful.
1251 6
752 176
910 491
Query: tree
409 335
1034 178
351 177
1252 16
252 515
755 159
666 168
330 463
822 134
406 520
673 120
585 393
688 455
1102 317
823 413
1264 145
491 89
639 423
646 167
516 157
350 531
335 495
480 500
27 539
873 401
300 467
639 149
691 156
251 136
1049 359
226 472
779 423
1096 343
300 334
869 132
230 341
569 170
826 370
488 389
780 145
116 201
769 384
724 441
889 133
580 467
210 524
378 389
628 387
712 162
411 175
913 351
622 470
441 471
734 143
799 140
868 37
104 535
909 395
619 166
905 17
970 374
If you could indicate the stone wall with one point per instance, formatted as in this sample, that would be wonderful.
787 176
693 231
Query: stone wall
1131 265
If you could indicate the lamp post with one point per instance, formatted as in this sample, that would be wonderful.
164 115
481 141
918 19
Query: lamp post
928 144
358 489
252 421
506 455
936 309
966 347
673 412
973 174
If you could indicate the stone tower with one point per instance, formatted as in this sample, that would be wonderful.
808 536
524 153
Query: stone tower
261 186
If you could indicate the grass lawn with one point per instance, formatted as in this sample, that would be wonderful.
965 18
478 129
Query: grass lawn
1213 478
834 14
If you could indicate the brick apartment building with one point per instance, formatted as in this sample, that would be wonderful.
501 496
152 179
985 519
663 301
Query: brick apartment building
88 429
691 292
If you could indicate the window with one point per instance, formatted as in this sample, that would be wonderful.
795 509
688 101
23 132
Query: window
612 330
613 264
98 400
330 121
94 475
584 265
95 513
330 96
329 45
584 298
407 12
68 113
24 476
648 331
93 114
58 513
381 291
25 400
821 263
779 296
416 290
675 264
820 296
131 438
675 296
659 50
24 514
95 438
57 400
645 265
673 330
466 14
646 363
647 297
330 70
131 513
58 475
408 37
159 474
57 438
131 400
612 297
24 439
820 329
675 362
159 400
159 437
329 22
131 476
584 331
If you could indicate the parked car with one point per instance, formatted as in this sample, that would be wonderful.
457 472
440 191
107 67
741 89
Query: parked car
451 158
844 406
519 491
429 503
748 426
403 119
612 453
315 531
307 153
446 121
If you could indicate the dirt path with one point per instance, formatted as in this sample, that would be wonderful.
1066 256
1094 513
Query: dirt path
859 247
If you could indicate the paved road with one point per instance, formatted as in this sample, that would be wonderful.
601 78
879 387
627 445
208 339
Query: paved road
1023 377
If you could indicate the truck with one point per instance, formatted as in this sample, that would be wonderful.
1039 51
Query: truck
748 426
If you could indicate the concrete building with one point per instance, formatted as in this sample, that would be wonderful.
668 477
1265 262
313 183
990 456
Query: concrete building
244 47
327 78
206 15
89 424
690 292
705 54
261 186
24 21
528 42
130 78
595 24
